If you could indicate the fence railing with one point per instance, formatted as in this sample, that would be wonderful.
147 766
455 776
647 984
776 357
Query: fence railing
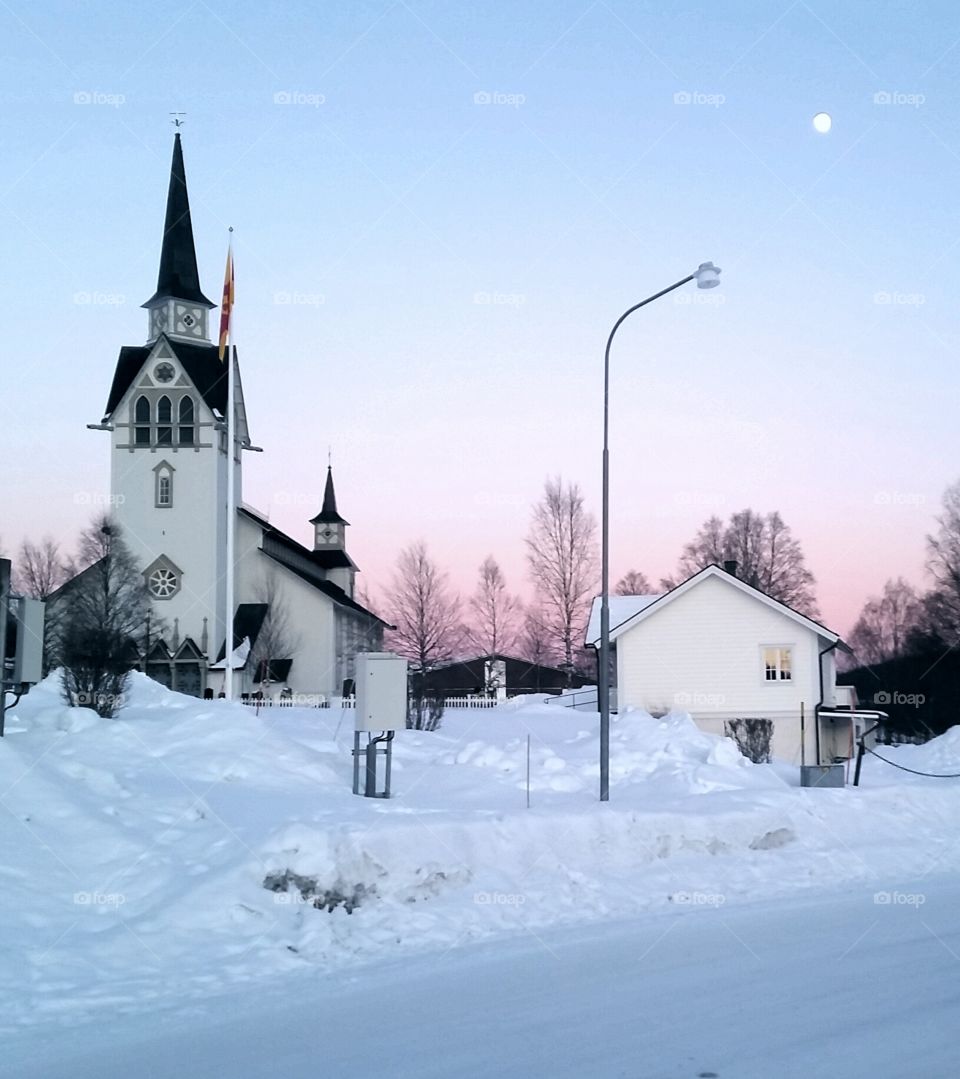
318 700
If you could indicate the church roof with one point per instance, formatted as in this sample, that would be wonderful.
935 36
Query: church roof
308 565
178 276
201 363
328 512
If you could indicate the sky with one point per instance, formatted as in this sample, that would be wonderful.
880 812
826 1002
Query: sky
441 209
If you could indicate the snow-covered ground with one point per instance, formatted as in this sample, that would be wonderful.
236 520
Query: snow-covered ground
134 852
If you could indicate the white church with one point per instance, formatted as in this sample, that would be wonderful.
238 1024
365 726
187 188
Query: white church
166 414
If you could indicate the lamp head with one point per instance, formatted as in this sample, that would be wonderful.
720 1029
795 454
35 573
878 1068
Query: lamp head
707 275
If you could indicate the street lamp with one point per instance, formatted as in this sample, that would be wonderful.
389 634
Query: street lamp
707 276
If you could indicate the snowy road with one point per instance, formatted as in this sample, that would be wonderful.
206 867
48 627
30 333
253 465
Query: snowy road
834 985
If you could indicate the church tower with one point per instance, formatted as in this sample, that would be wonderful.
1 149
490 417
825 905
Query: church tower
330 541
166 412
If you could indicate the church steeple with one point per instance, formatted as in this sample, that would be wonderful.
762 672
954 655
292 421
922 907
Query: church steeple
178 306
328 525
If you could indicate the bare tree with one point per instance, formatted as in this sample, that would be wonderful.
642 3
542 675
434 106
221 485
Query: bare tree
562 556
943 563
424 610
885 624
40 569
533 639
277 638
106 608
767 554
633 583
494 611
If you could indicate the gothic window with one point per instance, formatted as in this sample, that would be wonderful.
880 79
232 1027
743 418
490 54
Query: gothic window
141 418
186 421
163 486
164 421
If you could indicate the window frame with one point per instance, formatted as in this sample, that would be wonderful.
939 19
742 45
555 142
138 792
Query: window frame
781 668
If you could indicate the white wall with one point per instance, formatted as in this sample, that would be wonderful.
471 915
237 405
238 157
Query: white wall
702 654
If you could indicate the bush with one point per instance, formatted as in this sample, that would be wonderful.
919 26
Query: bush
753 737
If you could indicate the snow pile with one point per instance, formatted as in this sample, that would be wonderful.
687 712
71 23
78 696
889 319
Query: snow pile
191 845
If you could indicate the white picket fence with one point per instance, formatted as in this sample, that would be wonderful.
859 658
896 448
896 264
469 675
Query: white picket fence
318 700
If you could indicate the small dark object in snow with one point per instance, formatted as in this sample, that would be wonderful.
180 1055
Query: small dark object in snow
708 1075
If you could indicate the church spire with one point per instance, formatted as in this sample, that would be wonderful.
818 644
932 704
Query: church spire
328 513
178 277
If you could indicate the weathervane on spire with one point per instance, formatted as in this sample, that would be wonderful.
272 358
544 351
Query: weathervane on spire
176 121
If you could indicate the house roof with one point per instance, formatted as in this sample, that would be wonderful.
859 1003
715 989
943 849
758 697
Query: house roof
178 276
657 603
201 363
622 608
303 562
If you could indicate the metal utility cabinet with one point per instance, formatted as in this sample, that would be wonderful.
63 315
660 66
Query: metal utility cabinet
381 705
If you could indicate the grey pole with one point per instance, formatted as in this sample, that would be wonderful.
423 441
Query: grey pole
603 682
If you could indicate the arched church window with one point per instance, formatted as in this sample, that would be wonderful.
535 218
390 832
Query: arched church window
163 486
141 419
186 421
164 421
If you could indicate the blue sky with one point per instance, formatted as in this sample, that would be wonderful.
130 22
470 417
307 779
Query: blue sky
441 209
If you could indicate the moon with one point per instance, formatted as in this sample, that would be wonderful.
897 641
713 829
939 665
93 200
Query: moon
822 122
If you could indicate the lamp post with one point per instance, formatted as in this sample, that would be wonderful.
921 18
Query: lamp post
707 276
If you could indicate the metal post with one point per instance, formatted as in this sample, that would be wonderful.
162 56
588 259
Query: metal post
803 737
4 609
528 771
603 685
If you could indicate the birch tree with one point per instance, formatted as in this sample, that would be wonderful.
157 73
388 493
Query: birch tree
562 557
494 611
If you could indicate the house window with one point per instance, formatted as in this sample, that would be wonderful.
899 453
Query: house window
777 664
141 418
164 421
186 421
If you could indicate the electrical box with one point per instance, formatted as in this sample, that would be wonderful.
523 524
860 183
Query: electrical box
381 692
28 651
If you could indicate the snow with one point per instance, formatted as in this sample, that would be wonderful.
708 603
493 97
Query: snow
622 609
135 851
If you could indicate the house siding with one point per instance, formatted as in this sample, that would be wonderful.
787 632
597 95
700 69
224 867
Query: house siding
701 654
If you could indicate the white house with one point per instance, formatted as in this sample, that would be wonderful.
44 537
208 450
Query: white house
722 650
166 415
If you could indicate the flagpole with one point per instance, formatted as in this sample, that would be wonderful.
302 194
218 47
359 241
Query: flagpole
231 490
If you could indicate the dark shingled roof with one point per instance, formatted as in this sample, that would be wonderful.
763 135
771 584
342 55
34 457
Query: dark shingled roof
201 363
328 512
178 276
247 622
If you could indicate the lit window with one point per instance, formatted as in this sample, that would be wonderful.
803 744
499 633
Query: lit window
186 421
777 665
164 421
141 417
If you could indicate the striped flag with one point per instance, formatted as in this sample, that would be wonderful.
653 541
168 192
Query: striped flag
226 304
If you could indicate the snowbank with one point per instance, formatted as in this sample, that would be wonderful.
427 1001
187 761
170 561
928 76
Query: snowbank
190 845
